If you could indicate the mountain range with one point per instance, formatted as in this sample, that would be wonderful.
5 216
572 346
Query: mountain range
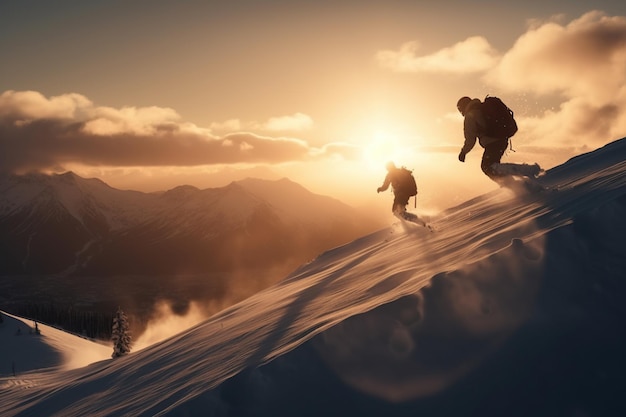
64 224
71 241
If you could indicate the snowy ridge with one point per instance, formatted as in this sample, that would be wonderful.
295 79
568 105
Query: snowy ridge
125 208
294 201
52 349
76 194
483 317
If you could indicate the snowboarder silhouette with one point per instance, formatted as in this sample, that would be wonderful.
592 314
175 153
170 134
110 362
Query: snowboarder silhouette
404 187
474 127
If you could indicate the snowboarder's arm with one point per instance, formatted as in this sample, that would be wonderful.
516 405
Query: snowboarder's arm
470 131
385 184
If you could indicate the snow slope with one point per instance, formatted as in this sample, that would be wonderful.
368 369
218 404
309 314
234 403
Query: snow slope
23 350
512 307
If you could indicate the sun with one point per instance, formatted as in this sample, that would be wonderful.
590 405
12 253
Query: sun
384 147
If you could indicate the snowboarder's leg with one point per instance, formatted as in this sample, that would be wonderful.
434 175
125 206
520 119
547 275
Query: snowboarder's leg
492 156
399 203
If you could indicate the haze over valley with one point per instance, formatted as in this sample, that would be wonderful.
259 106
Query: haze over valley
68 240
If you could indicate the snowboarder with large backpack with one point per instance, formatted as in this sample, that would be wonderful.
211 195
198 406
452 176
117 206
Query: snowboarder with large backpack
493 124
404 187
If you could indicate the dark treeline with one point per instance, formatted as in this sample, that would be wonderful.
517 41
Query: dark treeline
91 324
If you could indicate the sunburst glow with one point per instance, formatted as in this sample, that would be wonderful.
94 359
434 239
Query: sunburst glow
384 147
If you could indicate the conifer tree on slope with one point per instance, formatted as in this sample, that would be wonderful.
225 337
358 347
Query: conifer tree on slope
120 334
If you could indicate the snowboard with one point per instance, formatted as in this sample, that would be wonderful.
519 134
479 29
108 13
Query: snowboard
520 177
517 170
413 219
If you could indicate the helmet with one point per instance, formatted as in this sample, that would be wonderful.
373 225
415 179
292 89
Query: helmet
462 104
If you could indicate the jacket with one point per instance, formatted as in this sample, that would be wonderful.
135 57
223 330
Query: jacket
473 126
393 179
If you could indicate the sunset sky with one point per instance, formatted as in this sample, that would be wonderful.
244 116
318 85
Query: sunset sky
148 95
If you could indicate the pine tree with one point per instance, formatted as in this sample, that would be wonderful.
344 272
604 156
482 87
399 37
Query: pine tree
120 335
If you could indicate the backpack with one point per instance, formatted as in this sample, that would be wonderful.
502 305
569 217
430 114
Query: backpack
499 119
406 181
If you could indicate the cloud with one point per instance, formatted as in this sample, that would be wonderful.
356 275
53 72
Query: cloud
143 121
474 54
586 57
230 125
583 61
39 133
292 123
29 105
295 122
342 150
577 126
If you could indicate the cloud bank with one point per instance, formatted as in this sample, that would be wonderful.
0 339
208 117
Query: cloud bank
582 63
474 54
44 133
